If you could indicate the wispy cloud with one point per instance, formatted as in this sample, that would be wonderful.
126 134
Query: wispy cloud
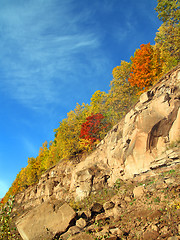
39 43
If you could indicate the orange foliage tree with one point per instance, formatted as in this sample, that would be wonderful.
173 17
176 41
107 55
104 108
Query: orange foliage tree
142 69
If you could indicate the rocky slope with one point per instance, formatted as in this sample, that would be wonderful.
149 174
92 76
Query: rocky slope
143 144
145 207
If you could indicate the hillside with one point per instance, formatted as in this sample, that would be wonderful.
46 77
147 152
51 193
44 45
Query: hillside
128 188
113 168
88 124
141 208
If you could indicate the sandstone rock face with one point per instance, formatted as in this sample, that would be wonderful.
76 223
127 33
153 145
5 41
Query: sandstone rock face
136 145
144 144
44 221
175 129
133 146
54 183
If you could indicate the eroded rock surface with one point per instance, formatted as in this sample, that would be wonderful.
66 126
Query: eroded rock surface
135 144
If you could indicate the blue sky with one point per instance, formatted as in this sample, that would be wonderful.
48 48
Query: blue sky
55 53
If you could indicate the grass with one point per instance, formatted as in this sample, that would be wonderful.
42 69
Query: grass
173 144
100 196
156 200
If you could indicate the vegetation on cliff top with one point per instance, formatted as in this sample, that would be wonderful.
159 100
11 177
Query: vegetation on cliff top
87 124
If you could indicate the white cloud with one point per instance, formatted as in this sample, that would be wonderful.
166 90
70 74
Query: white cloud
40 41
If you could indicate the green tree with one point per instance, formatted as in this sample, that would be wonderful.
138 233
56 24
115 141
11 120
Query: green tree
168 42
121 94
168 35
168 10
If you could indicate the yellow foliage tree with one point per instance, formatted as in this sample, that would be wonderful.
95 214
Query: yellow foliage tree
98 103
168 37
67 134
121 95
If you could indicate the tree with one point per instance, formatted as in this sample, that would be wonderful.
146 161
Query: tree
168 41
168 10
67 135
43 158
53 154
98 101
168 35
32 171
142 74
156 63
94 129
121 95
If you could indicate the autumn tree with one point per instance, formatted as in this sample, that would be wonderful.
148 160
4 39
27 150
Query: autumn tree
97 103
168 35
67 135
121 94
53 157
19 184
23 179
168 10
94 129
156 63
42 159
142 70
32 170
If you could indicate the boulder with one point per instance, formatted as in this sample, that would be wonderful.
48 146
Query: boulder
108 205
138 191
117 211
45 221
174 238
71 231
116 231
101 217
81 223
96 208
81 236
83 183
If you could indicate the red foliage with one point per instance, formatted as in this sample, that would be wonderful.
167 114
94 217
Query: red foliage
92 128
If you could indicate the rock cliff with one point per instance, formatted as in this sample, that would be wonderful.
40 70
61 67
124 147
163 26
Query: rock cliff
142 142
